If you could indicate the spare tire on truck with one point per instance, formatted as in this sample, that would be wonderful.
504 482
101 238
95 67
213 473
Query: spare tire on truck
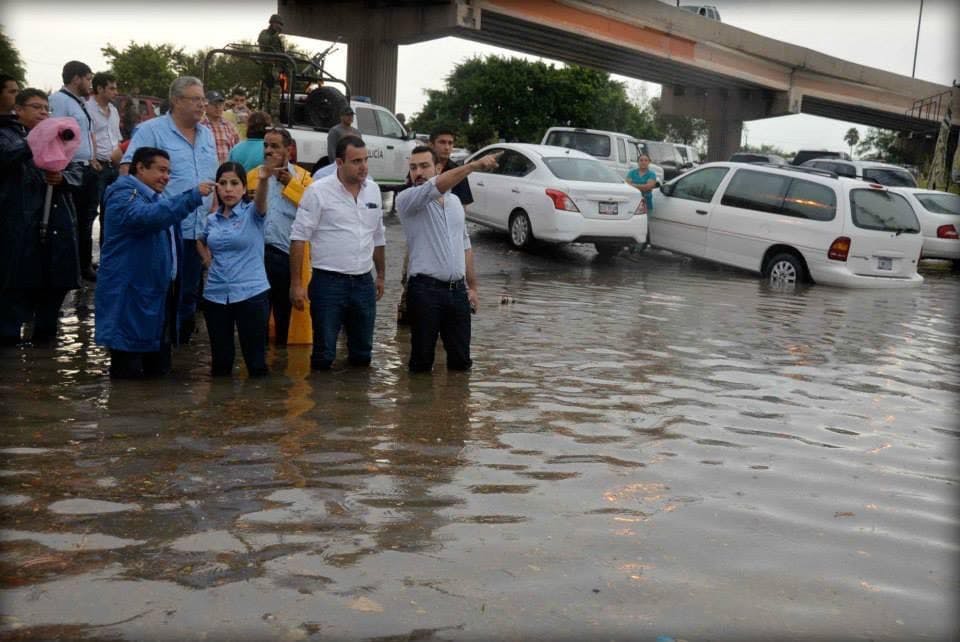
323 107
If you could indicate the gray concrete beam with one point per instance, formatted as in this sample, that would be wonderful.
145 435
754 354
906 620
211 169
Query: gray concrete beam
351 21
723 139
736 104
372 70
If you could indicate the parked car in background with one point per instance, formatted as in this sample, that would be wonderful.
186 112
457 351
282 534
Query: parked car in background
689 154
808 154
616 150
883 173
706 10
556 194
134 110
665 155
751 157
939 214
790 225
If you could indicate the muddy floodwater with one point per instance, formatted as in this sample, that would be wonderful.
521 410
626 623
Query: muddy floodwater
646 447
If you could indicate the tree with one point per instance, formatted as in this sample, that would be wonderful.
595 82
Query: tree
852 137
679 129
10 61
144 69
492 98
882 144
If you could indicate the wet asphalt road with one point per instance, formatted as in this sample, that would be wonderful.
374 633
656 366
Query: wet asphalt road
646 446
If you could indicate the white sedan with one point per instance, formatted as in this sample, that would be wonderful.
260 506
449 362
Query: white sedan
556 194
939 214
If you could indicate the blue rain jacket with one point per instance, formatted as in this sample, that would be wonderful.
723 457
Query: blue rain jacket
137 263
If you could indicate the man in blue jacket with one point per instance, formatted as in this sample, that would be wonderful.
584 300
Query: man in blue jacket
140 275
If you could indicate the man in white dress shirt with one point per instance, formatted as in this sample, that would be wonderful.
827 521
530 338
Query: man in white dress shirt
106 133
341 216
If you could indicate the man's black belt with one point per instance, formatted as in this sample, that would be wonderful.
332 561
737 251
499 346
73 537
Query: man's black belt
446 284
342 275
276 250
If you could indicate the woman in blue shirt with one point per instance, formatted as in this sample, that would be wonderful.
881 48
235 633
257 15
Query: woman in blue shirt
237 290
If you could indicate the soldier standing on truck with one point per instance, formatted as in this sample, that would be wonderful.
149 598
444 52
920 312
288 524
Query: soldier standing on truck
269 41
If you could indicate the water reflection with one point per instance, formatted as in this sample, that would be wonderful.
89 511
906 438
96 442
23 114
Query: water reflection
639 440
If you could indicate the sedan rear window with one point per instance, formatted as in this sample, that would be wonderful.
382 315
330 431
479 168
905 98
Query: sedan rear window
940 203
594 144
581 169
875 209
889 177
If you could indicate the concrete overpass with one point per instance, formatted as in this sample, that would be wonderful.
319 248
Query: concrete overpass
708 69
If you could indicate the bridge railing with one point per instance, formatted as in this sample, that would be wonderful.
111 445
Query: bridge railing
931 108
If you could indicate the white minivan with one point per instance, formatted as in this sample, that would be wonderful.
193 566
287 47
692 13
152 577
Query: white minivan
790 224
615 150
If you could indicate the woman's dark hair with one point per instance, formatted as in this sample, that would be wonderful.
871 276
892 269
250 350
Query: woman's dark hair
257 124
144 156
237 169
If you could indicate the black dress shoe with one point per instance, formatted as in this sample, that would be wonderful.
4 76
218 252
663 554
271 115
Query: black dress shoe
88 274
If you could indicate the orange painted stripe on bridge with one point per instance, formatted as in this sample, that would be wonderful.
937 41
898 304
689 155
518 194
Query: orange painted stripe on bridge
553 13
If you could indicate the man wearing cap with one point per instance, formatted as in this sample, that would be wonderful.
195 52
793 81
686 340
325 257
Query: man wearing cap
345 128
269 41
224 132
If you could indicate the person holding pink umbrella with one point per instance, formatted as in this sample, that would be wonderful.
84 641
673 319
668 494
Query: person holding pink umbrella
39 263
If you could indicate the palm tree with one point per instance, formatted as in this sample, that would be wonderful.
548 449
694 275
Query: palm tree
852 137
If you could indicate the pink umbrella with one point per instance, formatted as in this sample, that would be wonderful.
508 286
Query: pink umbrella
53 142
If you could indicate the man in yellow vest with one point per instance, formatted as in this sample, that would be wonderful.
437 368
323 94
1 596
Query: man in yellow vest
287 184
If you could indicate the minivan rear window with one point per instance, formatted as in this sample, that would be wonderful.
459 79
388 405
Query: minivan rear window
876 209
594 144
889 177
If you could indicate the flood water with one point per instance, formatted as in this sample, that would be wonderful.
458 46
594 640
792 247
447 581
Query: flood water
645 447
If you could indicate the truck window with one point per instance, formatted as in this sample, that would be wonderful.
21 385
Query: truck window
597 145
632 152
367 122
389 127
621 151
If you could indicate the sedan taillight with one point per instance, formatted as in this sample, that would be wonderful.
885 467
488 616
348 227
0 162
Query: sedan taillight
947 232
839 249
641 208
561 201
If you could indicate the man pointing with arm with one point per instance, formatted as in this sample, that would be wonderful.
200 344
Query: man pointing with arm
442 286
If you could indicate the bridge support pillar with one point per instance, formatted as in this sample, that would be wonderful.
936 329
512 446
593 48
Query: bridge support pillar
723 138
372 70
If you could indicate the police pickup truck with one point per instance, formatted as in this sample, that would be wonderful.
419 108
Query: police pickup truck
310 103
388 143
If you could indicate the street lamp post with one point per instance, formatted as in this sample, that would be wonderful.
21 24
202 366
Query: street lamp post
916 46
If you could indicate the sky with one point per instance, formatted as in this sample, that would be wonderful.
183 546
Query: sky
879 33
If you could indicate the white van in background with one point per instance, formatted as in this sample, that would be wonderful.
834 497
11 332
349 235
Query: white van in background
616 150
790 224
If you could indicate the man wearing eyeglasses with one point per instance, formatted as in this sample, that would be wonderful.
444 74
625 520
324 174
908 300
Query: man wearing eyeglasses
287 184
38 264
193 160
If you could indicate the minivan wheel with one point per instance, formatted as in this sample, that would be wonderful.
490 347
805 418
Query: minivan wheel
784 271
521 234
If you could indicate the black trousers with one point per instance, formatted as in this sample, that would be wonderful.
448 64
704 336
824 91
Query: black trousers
277 263
250 317
139 365
438 308
87 201
39 305
105 177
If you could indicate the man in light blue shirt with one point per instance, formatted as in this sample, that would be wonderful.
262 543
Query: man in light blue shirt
193 160
70 102
442 285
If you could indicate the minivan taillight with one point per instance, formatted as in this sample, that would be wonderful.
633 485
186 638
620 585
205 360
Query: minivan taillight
839 249
561 201
947 232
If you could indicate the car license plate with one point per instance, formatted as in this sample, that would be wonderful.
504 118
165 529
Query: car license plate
884 263
608 208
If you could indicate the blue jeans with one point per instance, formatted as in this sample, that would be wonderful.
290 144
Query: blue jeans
342 300
192 272
438 309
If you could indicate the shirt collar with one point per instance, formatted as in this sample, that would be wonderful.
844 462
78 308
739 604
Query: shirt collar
141 187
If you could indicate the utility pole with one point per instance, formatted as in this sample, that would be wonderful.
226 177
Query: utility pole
916 46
